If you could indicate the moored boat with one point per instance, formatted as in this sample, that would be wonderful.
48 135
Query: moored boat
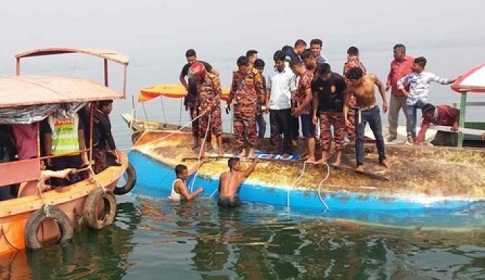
422 181
37 216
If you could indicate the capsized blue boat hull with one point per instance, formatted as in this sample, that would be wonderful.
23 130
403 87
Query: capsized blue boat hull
155 178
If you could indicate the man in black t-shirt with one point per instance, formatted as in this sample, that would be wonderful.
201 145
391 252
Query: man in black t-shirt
190 101
328 101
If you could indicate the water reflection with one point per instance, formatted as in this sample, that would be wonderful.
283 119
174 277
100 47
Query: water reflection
90 255
154 239
259 242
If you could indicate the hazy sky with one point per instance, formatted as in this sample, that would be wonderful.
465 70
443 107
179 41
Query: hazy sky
158 30
156 33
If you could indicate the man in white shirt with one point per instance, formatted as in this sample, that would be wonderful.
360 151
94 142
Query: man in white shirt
281 82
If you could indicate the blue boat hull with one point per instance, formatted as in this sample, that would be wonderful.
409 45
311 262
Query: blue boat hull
155 178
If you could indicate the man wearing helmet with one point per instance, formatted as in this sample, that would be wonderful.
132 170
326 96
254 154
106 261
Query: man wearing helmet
190 101
209 100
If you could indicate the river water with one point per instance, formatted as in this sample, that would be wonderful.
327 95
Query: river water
153 239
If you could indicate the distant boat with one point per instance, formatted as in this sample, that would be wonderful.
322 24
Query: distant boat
422 180
36 218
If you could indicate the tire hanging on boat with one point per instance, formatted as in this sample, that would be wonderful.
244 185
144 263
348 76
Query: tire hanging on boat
47 212
130 182
98 200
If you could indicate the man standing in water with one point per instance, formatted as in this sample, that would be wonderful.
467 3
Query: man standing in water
362 87
231 180
179 190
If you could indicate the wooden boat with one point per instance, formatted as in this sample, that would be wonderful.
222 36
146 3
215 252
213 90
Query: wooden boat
35 218
423 181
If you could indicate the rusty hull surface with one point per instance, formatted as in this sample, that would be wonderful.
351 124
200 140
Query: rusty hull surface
415 170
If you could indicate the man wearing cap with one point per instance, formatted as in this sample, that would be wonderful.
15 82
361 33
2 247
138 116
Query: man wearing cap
190 101
209 100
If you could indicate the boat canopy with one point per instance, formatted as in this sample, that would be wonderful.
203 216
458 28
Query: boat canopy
26 99
103 53
471 81
169 90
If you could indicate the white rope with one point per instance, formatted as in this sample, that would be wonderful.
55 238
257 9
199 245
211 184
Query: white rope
93 178
172 133
213 193
200 152
320 188
293 185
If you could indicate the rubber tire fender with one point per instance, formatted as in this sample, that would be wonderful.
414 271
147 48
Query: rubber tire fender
90 212
130 182
35 221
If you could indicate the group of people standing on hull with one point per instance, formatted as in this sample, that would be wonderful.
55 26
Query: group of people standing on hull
302 87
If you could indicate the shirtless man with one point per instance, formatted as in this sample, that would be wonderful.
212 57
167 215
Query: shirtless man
231 180
179 190
362 87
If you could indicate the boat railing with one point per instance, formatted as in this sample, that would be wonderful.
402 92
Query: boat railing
25 170
468 130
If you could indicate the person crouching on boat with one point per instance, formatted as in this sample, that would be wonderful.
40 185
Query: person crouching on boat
179 190
209 88
439 115
247 91
230 181
63 138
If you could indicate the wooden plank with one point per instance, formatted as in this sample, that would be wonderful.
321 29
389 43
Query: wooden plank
464 130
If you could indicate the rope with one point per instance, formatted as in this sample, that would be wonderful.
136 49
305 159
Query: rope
213 193
46 210
320 188
293 185
163 109
200 152
93 179
172 133
8 242
180 112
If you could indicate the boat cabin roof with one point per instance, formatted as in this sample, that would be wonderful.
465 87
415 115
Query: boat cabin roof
471 81
36 90
103 53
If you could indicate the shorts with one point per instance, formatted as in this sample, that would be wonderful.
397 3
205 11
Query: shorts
307 126
229 201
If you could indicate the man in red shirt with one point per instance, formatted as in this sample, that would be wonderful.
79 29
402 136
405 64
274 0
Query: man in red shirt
400 67
439 115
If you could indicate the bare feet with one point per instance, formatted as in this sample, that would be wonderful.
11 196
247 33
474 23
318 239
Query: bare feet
221 152
321 161
360 168
337 163
310 160
305 156
384 164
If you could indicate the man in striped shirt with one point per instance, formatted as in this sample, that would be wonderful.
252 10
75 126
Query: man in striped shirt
417 96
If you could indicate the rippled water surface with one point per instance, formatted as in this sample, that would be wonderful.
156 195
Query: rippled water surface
154 239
